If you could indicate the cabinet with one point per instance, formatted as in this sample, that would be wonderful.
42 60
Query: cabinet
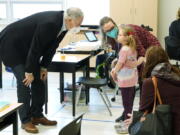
135 12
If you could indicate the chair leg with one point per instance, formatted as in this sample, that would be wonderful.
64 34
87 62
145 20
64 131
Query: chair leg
78 94
106 97
113 99
177 64
100 93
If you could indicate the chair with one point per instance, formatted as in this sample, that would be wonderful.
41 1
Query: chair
73 128
97 83
172 46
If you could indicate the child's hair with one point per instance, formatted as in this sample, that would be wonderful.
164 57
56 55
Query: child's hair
178 14
129 32
155 55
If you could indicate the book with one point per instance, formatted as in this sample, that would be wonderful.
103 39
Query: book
4 105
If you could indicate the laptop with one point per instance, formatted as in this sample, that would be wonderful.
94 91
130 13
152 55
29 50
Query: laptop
91 37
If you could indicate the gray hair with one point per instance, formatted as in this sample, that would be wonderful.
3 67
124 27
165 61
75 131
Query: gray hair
73 13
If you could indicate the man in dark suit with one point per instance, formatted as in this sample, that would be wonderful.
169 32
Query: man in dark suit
28 46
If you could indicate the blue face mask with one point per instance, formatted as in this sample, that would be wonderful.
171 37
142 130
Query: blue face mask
113 33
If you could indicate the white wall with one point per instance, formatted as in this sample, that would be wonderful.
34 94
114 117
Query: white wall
167 13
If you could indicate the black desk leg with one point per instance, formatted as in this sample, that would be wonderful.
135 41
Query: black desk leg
61 87
0 73
46 95
73 94
87 69
87 75
15 123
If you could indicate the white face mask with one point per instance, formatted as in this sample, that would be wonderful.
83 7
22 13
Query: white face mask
74 30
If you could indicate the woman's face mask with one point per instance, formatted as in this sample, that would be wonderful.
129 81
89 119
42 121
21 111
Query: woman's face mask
113 33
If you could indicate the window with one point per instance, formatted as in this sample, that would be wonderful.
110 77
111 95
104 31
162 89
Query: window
29 9
93 10
3 11
11 10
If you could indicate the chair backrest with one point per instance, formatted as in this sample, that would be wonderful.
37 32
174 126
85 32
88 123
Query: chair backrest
103 69
172 46
107 65
73 128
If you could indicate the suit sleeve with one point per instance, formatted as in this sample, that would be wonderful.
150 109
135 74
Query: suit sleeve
44 36
48 55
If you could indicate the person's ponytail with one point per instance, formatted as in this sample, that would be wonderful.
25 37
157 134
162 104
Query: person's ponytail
131 42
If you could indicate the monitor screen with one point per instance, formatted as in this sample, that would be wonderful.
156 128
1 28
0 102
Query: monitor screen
91 37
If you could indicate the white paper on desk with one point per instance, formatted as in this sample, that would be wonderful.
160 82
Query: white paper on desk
86 46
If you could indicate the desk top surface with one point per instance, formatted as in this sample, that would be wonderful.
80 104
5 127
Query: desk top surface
10 109
58 57
81 46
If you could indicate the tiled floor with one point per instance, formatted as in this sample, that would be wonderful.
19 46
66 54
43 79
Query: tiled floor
96 120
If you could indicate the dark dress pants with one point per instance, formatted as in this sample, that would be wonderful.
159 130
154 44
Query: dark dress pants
32 97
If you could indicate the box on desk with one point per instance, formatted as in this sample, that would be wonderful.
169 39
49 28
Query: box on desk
68 93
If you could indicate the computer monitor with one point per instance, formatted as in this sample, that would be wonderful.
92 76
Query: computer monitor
91 37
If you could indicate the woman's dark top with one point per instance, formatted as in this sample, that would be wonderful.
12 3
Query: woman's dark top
169 88
174 29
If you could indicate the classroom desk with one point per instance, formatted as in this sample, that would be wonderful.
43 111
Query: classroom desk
75 51
82 47
10 116
66 51
71 64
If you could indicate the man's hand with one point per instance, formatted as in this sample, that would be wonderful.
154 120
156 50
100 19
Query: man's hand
43 73
28 79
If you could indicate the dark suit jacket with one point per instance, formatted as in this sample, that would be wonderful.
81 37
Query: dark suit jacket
31 41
